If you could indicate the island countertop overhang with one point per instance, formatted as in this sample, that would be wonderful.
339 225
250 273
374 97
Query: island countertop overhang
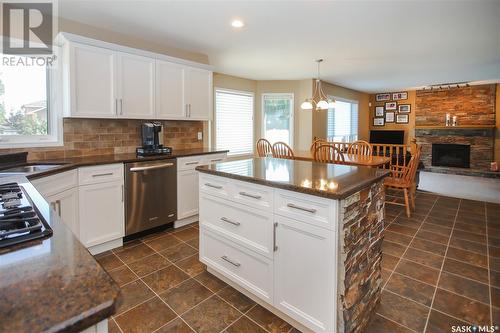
333 181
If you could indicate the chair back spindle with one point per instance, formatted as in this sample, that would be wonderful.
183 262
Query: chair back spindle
282 150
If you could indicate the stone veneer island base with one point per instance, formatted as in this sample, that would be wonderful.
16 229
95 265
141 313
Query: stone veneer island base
301 238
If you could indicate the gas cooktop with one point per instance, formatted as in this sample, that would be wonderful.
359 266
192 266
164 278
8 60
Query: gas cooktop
19 219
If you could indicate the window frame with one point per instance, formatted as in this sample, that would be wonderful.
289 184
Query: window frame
346 100
291 120
241 92
54 137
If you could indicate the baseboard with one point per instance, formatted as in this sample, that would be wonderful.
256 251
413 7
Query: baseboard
458 186
257 300
96 249
185 221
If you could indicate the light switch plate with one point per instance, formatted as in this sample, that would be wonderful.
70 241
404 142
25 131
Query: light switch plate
200 135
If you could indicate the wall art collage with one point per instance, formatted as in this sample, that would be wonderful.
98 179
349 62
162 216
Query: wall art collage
392 111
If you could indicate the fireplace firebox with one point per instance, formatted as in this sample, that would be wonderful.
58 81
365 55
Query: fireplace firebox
451 155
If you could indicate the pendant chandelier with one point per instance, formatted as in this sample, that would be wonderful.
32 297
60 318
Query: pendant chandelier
319 100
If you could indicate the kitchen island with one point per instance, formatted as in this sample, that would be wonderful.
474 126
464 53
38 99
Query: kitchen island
301 238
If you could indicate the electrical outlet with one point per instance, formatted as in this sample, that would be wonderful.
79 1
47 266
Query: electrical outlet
200 135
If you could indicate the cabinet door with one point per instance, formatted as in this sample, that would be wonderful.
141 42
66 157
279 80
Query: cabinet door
136 76
198 92
92 82
101 213
170 91
304 273
187 193
66 206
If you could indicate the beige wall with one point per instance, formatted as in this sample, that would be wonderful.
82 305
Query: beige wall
408 128
320 117
122 39
497 130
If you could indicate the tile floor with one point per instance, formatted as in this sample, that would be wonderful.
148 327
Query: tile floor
441 267
166 289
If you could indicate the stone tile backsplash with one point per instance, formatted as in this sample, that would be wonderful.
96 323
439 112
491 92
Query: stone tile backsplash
87 137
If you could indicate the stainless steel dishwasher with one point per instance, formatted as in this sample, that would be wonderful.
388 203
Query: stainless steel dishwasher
150 195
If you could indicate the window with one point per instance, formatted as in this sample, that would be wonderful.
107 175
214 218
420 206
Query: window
234 121
26 116
342 122
277 122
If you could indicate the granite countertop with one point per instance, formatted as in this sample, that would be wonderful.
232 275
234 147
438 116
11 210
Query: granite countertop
332 181
75 162
53 284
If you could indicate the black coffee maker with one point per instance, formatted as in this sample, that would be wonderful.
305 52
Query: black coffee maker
152 140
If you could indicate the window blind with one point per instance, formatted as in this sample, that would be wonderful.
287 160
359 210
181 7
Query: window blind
234 121
342 122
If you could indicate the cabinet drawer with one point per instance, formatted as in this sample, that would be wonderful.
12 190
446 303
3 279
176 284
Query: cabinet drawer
305 208
250 270
190 162
214 158
246 226
57 183
100 174
218 186
260 197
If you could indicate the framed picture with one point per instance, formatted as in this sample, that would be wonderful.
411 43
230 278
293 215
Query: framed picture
391 106
404 108
382 97
402 119
389 117
378 121
379 111
397 96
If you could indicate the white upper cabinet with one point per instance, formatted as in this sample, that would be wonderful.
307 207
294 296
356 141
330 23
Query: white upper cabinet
170 91
91 82
136 79
104 80
198 93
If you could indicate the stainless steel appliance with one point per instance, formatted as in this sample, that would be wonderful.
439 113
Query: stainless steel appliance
152 140
151 195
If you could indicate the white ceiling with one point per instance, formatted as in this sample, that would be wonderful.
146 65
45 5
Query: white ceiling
367 45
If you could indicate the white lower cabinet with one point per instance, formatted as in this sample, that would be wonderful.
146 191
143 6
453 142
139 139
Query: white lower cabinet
286 259
101 213
65 205
304 273
187 193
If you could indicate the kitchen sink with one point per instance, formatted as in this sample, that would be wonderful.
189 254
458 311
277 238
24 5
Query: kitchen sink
25 169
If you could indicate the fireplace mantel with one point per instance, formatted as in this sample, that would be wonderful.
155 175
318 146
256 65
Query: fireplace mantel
455 127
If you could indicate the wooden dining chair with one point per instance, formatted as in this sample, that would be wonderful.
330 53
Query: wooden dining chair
264 148
282 150
403 178
328 153
315 144
359 147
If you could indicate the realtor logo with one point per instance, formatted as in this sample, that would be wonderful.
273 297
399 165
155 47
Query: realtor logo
27 27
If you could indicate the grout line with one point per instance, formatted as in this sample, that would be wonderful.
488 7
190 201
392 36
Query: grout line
488 263
441 270
119 328
395 322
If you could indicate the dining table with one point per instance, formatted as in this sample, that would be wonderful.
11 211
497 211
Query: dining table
349 159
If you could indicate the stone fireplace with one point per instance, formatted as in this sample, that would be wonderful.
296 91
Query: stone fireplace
470 145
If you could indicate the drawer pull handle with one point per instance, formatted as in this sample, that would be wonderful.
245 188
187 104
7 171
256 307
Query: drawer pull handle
275 247
103 174
309 210
225 219
213 186
250 195
216 160
225 258
191 163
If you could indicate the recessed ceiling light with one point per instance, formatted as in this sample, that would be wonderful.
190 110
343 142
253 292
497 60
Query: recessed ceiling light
237 24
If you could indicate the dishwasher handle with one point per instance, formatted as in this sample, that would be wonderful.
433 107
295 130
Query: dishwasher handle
152 167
